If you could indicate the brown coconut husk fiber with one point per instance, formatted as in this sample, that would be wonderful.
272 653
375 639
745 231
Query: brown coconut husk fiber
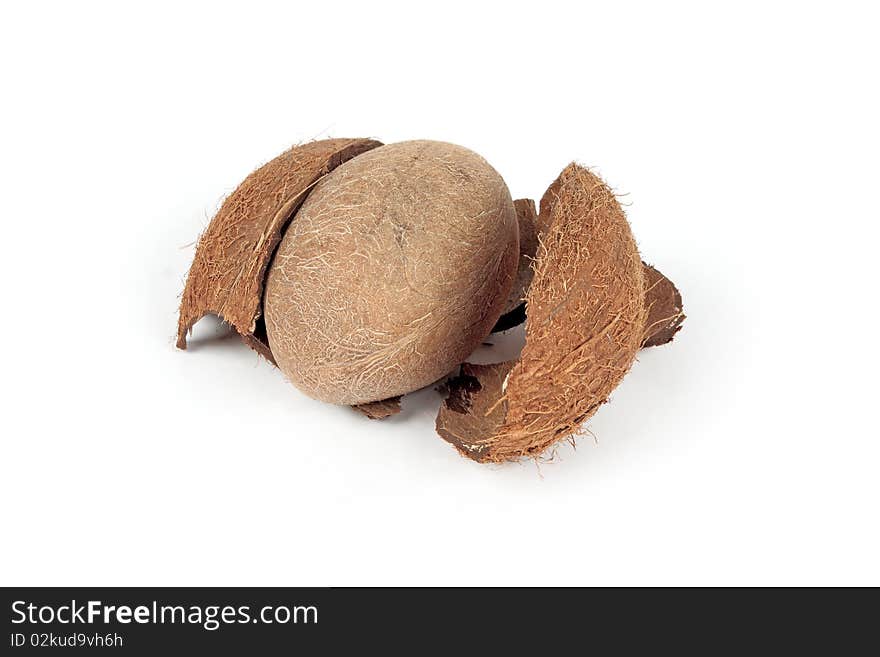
665 315
229 269
586 322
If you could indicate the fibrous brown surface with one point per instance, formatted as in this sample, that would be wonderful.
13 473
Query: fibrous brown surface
586 320
229 268
396 267
662 298
663 301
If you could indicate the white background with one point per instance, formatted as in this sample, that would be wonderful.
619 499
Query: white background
746 141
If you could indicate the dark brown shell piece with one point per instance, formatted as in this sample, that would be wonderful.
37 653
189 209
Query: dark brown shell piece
379 410
471 409
665 314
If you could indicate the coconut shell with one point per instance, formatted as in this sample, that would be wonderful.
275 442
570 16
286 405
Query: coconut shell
586 323
663 301
515 309
662 298
229 268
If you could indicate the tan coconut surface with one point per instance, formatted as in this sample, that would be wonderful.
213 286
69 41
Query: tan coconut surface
397 266
514 310
229 268
586 323
395 269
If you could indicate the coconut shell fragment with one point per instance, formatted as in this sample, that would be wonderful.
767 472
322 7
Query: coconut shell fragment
586 321
229 268
472 409
379 410
663 301
515 309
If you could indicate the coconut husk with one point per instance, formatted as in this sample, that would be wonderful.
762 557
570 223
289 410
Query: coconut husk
379 410
515 310
663 301
586 320
229 268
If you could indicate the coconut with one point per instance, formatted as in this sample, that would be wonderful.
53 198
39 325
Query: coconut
367 271
395 268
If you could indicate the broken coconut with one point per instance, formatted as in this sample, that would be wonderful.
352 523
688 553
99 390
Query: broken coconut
381 268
